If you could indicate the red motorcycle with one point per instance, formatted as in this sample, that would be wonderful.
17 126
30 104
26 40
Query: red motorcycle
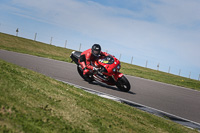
108 72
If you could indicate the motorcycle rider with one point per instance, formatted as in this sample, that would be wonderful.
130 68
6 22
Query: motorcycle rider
89 56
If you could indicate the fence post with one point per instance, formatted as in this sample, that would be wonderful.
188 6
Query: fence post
189 75
120 57
35 36
179 72
146 63
132 60
51 40
80 47
199 77
169 69
66 44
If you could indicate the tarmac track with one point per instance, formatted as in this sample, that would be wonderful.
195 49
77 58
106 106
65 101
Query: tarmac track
179 101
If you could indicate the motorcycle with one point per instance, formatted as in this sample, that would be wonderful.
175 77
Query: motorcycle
108 72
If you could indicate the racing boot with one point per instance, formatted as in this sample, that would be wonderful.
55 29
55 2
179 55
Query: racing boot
86 73
88 76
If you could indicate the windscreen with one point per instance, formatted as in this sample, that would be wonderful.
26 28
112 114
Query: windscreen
108 60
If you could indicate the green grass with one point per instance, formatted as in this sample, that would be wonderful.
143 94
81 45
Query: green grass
13 43
31 102
159 76
22 45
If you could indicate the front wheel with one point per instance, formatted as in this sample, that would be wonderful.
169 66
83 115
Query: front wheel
123 84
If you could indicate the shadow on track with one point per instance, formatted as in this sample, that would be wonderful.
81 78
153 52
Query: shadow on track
110 87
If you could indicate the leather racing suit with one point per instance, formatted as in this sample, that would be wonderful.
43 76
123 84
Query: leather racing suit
86 58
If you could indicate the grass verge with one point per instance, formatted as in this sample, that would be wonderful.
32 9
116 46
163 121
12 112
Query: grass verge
32 102
13 43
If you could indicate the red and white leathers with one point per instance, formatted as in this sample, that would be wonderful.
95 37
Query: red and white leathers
89 57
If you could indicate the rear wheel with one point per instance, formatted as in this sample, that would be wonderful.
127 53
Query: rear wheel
80 71
85 77
123 84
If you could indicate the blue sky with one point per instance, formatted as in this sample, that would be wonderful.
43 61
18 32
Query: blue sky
160 31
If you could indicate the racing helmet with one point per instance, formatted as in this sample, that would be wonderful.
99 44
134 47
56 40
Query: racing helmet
96 50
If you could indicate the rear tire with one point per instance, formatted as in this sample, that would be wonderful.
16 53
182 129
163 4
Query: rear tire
123 84
80 71
85 77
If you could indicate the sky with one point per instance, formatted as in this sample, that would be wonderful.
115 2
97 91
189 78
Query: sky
164 32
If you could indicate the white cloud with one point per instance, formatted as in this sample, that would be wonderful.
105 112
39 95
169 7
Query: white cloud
172 25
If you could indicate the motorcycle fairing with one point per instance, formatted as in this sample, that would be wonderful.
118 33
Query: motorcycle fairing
117 75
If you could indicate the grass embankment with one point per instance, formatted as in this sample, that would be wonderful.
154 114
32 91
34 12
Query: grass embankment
13 43
32 102
22 45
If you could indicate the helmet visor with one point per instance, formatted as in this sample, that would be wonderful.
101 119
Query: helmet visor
96 52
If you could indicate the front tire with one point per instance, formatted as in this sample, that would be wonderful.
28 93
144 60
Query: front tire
123 84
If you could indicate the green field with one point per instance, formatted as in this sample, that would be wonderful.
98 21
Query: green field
13 43
32 103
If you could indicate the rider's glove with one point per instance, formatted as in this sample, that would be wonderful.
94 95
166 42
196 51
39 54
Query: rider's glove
95 69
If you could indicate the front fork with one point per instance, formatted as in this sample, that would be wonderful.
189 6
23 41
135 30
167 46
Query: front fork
117 75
